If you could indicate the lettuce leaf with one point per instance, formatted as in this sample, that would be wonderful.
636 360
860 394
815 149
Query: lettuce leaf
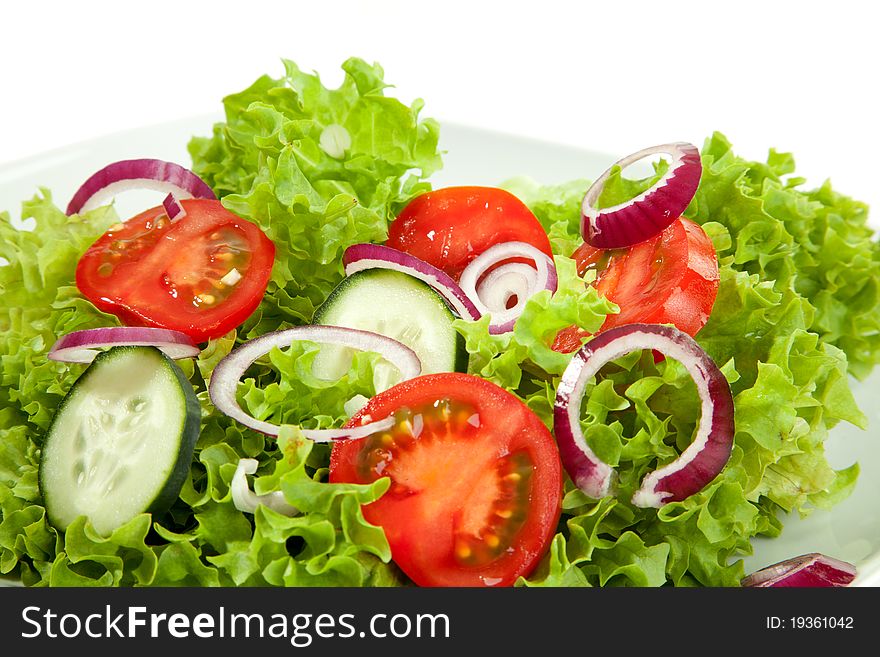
268 163
814 243
39 302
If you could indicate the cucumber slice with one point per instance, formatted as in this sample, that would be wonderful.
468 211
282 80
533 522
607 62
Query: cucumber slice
122 440
399 306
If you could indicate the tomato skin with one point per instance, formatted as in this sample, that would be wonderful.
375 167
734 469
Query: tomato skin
671 278
453 469
451 226
150 271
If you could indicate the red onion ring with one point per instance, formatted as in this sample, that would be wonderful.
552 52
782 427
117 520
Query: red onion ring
83 346
125 175
697 465
651 211
491 292
812 569
224 380
372 256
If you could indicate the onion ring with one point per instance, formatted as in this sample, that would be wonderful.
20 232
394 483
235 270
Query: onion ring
491 292
225 378
125 175
697 465
83 346
650 212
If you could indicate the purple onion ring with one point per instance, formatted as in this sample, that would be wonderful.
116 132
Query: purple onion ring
158 175
650 212
83 346
697 465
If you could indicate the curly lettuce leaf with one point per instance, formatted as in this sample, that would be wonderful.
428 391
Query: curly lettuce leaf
39 302
815 243
279 160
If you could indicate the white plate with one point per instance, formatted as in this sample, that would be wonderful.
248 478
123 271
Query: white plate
851 531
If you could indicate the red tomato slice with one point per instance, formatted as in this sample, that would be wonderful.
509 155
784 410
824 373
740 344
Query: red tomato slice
476 480
450 227
669 279
202 274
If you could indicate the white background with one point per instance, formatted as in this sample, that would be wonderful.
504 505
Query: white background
608 76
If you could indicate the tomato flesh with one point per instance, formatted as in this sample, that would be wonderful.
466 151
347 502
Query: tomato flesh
476 480
202 274
449 227
671 278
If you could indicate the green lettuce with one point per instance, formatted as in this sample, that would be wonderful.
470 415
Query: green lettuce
267 162
814 243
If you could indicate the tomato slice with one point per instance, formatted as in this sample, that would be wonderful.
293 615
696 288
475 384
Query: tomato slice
202 274
669 279
476 480
449 227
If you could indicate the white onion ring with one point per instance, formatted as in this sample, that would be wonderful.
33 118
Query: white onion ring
158 175
491 293
697 465
83 346
812 569
372 256
244 499
650 212
224 380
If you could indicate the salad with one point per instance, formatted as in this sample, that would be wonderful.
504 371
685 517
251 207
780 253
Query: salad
309 368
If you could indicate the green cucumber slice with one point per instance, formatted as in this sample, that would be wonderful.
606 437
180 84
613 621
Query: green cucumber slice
399 306
122 440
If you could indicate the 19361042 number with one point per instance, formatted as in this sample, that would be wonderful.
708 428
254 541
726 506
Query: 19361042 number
821 622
